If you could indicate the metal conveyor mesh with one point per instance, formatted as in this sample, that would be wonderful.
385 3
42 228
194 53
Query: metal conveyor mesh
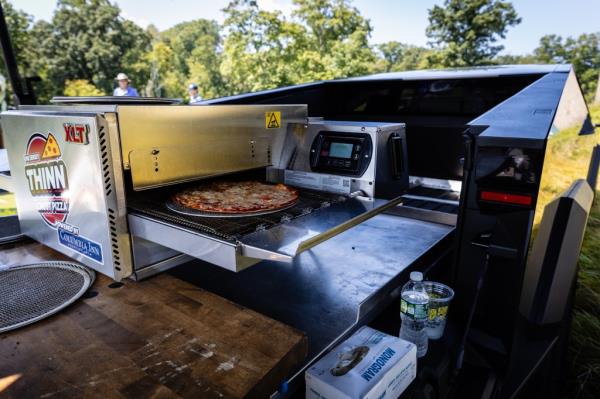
231 229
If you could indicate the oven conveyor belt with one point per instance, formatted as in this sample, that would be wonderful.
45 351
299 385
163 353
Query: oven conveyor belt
230 229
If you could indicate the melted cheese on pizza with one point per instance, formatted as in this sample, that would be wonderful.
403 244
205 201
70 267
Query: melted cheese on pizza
237 197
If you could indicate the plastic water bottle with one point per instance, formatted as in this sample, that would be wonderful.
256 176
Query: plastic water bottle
413 312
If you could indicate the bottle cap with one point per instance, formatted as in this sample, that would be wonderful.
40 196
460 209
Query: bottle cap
416 276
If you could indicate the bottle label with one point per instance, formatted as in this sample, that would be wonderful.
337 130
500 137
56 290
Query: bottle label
412 310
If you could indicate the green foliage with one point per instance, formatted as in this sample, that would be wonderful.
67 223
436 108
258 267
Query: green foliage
510 59
19 23
81 87
465 31
584 348
257 49
87 39
324 39
396 56
187 52
583 52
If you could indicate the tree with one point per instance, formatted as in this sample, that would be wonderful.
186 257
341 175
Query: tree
81 87
260 48
19 23
582 52
396 56
466 31
508 59
330 22
324 39
337 35
87 39
195 46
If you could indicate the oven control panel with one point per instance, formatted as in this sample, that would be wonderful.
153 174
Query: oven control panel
341 153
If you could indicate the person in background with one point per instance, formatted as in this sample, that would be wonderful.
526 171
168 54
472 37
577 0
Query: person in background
195 97
124 89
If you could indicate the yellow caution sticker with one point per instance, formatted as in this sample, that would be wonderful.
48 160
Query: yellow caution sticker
273 120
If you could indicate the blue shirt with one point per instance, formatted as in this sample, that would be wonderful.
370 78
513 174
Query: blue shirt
130 92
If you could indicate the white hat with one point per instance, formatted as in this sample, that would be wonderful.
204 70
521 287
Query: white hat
122 76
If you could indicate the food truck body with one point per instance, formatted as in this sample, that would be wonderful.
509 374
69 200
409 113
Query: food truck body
433 170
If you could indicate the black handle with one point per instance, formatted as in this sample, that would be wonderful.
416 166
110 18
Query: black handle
397 156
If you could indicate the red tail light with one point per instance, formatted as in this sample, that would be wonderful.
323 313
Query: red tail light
506 198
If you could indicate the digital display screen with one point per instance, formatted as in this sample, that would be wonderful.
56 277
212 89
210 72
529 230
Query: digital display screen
340 150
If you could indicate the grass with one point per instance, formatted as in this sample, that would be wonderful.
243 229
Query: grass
8 206
584 345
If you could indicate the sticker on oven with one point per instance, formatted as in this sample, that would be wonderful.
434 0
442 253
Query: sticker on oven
273 120
78 243
47 178
77 133
317 181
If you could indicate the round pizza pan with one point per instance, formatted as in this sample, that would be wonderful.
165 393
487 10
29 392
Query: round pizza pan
33 292
193 212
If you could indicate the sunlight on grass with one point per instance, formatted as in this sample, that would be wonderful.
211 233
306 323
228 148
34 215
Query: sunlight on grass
584 347
8 206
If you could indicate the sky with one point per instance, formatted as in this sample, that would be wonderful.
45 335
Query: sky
400 20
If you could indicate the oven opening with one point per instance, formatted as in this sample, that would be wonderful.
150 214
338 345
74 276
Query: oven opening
156 203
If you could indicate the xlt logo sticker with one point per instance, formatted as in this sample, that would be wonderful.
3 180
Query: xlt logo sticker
76 133
47 178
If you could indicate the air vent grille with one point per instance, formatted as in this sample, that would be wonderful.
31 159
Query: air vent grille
108 189
114 238
105 161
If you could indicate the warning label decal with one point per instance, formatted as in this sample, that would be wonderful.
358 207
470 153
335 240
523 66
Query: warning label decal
273 120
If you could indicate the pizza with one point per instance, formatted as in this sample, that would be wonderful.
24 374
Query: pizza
51 149
236 197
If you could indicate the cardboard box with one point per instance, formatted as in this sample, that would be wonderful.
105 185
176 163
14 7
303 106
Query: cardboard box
369 364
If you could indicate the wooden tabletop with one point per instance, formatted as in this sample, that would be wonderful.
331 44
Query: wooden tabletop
159 338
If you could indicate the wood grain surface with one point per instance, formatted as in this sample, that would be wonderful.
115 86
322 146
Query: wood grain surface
159 338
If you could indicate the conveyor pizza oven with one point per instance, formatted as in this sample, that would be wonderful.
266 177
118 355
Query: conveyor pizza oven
94 181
